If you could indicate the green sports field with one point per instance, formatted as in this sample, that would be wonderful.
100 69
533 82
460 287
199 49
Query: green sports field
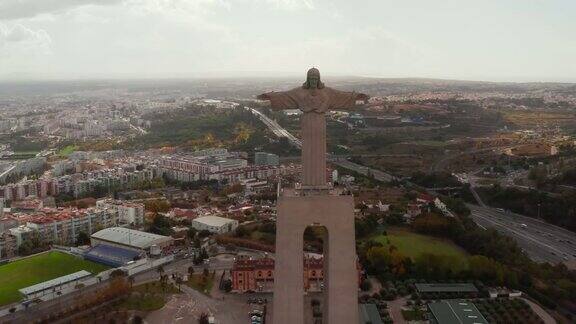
67 150
412 244
39 268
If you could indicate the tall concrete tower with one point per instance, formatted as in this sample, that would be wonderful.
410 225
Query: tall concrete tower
315 203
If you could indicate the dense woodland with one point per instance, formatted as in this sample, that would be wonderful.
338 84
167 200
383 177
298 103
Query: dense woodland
195 128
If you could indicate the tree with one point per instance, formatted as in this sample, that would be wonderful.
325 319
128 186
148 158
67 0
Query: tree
539 175
191 232
204 233
83 239
117 273
227 285
203 319
160 270
161 225
131 281
179 281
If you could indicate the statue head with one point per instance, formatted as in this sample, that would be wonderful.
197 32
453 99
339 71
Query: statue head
313 80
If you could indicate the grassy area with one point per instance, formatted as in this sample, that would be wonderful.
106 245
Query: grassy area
67 150
21 156
148 297
201 283
428 143
412 244
143 302
25 152
30 271
156 288
413 314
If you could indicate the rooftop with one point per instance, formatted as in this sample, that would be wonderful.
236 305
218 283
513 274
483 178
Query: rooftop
55 282
369 314
130 237
214 220
111 255
455 312
446 287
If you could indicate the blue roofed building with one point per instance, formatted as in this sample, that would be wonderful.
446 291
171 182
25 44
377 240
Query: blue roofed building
112 256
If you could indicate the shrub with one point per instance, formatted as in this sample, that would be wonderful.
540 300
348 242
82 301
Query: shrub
365 285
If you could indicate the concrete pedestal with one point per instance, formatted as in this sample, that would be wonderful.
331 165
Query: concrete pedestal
336 213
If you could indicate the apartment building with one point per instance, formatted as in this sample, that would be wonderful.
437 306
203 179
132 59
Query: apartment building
128 212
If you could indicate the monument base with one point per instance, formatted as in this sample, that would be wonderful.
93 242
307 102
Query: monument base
336 213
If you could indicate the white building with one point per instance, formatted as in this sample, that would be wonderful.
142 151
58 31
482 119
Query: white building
215 224
130 239
128 212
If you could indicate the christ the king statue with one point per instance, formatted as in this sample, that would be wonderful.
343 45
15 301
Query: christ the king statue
314 100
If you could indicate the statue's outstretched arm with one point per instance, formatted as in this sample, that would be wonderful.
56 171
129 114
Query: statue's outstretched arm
279 100
343 100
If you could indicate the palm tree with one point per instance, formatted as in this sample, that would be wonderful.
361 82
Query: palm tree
179 282
203 319
131 281
160 270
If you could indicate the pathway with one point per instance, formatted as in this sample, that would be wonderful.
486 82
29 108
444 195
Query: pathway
395 310
547 318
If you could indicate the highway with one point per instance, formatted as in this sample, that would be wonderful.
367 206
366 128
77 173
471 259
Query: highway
543 242
277 129
378 175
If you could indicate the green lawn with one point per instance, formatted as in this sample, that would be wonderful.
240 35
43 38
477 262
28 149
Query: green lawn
413 314
201 283
148 297
412 244
30 271
156 287
67 150
145 302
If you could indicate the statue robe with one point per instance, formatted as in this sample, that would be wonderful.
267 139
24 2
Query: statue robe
314 103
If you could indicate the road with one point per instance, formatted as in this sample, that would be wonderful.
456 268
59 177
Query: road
139 129
341 162
378 175
276 128
543 242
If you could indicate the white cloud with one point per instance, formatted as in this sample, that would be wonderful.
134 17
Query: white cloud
100 38
19 9
16 9
19 40
23 51
366 51
290 4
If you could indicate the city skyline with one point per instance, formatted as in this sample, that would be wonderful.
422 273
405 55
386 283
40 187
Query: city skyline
514 41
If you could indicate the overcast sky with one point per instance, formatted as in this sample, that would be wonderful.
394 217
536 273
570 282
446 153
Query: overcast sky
501 40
